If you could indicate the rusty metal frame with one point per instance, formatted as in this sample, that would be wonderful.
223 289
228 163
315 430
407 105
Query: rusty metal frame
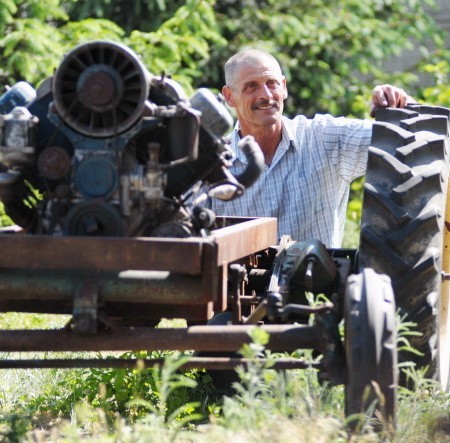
242 237
199 267
36 266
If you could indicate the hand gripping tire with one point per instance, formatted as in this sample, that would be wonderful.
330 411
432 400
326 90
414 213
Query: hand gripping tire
404 226
370 348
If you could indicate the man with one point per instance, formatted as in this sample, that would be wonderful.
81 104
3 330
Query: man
309 163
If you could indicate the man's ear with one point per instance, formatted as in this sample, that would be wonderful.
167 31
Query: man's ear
285 92
227 92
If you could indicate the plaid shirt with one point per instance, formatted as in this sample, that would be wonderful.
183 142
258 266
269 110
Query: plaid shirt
307 185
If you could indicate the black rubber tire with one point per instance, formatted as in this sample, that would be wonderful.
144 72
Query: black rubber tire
370 348
402 223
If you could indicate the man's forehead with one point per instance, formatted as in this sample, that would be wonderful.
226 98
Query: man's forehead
249 73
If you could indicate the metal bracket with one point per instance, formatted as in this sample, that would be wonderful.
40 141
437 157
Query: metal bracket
85 305
237 275
279 313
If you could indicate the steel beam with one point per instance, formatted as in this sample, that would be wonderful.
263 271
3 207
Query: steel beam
216 363
197 338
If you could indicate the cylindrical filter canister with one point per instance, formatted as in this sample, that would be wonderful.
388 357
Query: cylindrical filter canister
21 94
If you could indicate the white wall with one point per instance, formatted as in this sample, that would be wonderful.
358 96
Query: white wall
441 14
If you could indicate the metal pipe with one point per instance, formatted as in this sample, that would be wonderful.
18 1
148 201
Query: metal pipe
198 338
36 289
216 363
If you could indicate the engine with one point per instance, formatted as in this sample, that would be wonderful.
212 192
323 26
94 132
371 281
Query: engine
109 149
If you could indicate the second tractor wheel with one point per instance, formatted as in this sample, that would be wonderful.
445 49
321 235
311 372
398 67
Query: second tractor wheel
370 346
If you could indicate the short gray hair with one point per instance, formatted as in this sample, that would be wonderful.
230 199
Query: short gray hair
246 57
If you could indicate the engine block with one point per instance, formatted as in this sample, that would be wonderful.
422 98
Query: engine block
109 149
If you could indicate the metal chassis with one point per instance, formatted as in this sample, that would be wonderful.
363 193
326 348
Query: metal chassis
193 287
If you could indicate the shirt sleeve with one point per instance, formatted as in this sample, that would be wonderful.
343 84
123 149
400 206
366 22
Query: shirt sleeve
346 143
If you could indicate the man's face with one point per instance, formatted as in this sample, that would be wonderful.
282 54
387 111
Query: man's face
257 94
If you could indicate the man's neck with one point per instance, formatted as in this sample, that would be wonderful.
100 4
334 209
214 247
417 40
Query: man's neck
268 140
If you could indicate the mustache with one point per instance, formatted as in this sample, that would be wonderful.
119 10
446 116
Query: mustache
265 103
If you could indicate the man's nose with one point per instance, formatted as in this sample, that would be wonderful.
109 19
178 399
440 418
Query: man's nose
265 91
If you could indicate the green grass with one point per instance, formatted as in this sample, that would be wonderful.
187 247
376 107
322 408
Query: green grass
165 404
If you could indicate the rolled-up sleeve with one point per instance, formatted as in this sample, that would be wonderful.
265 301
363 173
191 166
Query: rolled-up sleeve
346 142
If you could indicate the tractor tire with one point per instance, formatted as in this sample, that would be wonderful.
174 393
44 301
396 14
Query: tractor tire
370 348
404 226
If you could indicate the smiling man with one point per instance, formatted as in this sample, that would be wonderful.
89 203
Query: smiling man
310 163
256 88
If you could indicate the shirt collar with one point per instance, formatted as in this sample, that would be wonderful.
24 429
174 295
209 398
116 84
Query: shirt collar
287 141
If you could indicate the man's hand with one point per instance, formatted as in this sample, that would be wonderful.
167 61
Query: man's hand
384 96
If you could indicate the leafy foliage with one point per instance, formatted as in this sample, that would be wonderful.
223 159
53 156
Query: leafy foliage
166 404
37 34
29 50
331 51
131 393
158 401
439 92
181 46
145 15
74 33
36 38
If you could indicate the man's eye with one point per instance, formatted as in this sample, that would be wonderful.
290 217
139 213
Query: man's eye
273 84
251 87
